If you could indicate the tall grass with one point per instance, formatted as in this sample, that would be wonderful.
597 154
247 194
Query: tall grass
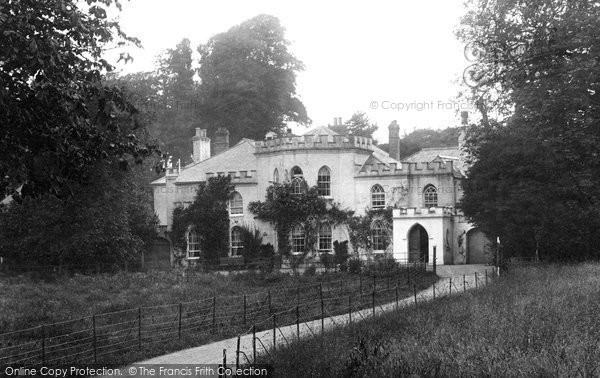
535 321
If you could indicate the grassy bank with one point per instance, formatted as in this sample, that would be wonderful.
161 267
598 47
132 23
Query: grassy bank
536 321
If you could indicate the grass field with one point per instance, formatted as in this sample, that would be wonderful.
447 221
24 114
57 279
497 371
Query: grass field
148 314
535 321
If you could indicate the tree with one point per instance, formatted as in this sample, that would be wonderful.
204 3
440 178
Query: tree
176 73
58 118
359 125
108 222
208 215
537 67
248 80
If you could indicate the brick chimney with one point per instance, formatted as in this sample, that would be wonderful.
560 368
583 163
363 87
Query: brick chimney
221 142
394 137
200 146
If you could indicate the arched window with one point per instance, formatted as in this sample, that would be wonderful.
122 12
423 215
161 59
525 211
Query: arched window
296 172
298 239
193 245
378 237
377 197
236 204
236 241
324 181
325 236
430 196
276 176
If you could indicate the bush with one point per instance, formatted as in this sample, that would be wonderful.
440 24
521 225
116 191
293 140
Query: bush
354 266
340 251
382 265
328 260
310 271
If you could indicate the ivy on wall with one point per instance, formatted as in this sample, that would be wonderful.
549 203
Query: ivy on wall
283 209
359 228
209 216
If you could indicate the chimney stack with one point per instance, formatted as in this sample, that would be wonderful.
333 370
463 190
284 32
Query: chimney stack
200 146
221 142
394 136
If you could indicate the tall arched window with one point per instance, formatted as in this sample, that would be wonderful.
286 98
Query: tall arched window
193 245
236 204
378 237
297 180
324 181
325 238
377 197
276 176
430 196
236 241
298 239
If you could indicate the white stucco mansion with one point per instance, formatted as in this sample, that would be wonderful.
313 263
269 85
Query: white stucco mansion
423 189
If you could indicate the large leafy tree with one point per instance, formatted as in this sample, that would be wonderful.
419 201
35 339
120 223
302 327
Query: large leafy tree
58 118
248 80
359 125
537 68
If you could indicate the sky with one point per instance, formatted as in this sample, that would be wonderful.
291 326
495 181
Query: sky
394 60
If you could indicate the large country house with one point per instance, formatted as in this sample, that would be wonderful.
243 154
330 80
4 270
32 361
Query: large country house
423 189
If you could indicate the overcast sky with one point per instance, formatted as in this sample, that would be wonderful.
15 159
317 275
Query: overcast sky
395 60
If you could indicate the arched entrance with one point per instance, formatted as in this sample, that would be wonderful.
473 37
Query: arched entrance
159 255
418 244
476 253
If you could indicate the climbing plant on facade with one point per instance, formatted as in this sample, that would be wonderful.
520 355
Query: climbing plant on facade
360 228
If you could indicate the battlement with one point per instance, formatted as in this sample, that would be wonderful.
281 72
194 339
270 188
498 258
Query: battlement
314 142
420 212
405 168
239 177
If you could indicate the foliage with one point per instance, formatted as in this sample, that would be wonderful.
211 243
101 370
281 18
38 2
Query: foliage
328 260
340 250
418 139
359 125
248 78
354 266
310 271
284 209
383 264
109 221
534 178
208 215
58 117
359 228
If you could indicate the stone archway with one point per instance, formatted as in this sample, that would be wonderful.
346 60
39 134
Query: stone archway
476 247
418 244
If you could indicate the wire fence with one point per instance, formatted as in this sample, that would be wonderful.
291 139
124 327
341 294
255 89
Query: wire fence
313 318
99 338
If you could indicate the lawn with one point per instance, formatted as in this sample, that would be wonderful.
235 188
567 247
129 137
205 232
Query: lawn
157 312
535 321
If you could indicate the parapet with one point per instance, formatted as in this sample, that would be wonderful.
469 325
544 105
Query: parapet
311 142
424 211
405 168
240 177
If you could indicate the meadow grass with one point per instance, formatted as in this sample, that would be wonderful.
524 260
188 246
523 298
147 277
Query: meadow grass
535 321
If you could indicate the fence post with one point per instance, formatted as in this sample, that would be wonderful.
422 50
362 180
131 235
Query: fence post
214 314
298 295
450 286
270 309
43 331
486 278
322 308
95 342
373 300
274 333
434 259
298 321
408 273
374 282
349 309
139 328
397 303
237 355
179 321
244 309
434 291
475 280
254 343
464 283
415 292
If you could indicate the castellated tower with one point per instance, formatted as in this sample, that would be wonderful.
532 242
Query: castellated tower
200 146
394 136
